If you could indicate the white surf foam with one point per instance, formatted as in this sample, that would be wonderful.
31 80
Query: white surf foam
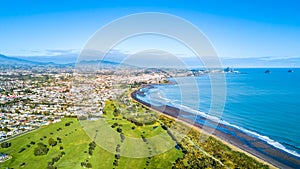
218 120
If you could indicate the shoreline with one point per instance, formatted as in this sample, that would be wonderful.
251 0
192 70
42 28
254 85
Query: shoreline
234 138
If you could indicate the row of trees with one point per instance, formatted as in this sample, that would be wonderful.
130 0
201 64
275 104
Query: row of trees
117 155
86 164
55 160
92 147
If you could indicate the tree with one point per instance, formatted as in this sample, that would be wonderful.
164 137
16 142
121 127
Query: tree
41 149
117 156
6 129
5 145
122 137
116 112
55 159
58 139
88 165
119 130
51 167
52 142
115 163
83 164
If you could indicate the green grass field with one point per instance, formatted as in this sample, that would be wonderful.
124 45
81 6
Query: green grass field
75 143
124 138
133 150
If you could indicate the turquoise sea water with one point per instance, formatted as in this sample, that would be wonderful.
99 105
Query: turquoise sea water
266 106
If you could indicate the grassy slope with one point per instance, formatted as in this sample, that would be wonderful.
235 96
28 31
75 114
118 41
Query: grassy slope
163 160
77 136
75 142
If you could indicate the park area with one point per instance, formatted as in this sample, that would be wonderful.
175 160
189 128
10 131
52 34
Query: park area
127 135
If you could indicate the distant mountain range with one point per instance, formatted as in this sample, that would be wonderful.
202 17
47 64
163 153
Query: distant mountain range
60 59
5 60
226 62
32 61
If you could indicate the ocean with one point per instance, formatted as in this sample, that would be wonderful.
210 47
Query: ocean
263 105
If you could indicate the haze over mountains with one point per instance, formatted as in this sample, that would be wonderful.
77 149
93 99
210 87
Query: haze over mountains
226 62
5 60
47 60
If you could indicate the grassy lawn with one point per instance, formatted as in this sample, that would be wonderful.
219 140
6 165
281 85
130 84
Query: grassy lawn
74 143
75 140
123 138
134 150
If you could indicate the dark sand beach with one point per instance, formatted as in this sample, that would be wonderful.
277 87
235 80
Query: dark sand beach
231 135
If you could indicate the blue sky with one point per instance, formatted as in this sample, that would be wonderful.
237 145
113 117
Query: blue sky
238 29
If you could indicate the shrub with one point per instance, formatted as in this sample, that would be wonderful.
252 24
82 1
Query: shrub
115 163
55 159
52 142
83 164
88 165
118 148
51 167
5 145
41 149
114 125
117 156
21 150
22 164
119 130
122 137
116 112
58 139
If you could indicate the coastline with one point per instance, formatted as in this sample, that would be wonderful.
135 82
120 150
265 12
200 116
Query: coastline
234 138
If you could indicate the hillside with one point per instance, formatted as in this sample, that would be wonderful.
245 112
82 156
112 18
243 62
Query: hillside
5 60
